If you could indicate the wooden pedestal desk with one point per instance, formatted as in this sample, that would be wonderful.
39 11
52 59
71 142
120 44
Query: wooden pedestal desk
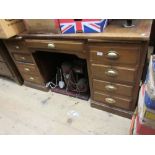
115 61
7 66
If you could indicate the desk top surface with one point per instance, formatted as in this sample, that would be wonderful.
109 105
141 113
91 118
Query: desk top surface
114 31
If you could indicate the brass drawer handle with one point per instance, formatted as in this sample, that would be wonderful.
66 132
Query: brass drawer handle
51 45
110 88
26 69
110 100
111 72
112 55
31 78
23 58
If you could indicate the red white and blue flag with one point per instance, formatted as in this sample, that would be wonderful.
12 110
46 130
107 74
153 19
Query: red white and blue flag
84 25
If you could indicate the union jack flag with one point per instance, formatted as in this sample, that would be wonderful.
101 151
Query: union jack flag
84 25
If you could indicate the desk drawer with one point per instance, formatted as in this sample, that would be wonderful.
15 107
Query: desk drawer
16 46
33 78
4 70
23 57
113 74
27 68
112 88
1 59
56 44
112 101
120 54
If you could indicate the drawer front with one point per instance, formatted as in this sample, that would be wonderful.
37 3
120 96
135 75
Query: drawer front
1 59
112 101
112 88
16 46
118 54
56 44
33 78
27 68
114 74
23 57
4 70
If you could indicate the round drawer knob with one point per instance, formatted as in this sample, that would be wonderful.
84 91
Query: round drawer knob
111 72
23 58
110 100
31 78
19 37
17 47
26 69
112 55
51 45
110 88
